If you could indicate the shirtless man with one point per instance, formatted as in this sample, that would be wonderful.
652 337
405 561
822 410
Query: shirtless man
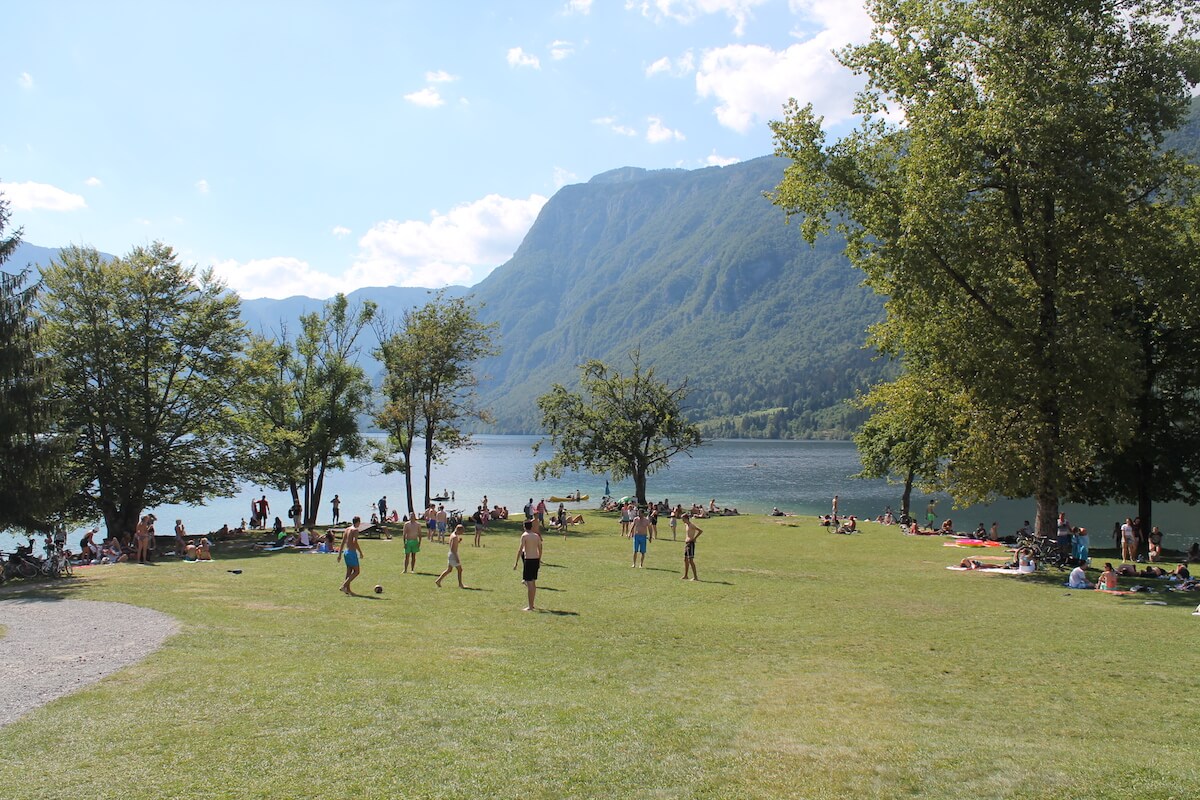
352 550
641 532
689 548
412 541
531 550
452 560
431 521
441 517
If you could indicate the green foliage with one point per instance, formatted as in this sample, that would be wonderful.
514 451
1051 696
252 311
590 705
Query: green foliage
623 425
305 397
151 358
33 485
691 268
429 383
1010 216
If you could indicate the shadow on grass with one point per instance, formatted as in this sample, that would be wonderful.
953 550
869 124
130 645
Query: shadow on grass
719 583
549 589
556 612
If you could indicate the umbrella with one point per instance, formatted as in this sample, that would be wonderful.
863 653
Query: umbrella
627 499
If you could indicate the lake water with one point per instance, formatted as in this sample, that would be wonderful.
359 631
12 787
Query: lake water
750 475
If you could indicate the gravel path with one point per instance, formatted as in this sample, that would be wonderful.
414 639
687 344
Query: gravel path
51 648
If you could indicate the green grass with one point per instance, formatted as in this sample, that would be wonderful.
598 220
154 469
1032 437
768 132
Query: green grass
803 665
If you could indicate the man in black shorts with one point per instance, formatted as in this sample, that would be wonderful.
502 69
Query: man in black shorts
531 550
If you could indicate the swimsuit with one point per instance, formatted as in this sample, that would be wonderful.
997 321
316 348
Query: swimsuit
452 559
639 543
351 558
689 549
412 545
530 573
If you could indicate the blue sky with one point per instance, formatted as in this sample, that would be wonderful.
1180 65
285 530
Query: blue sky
316 147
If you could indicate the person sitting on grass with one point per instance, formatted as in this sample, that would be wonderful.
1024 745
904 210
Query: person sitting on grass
1108 578
204 550
1078 579
1025 560
849 526
1181 572
1156 538
189 551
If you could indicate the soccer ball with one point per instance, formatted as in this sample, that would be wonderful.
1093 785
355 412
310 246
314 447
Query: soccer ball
379 588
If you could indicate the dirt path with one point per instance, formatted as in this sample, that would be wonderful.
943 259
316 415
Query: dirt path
51 648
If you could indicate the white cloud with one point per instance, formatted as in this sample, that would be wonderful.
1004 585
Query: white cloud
461 246
426 98
560 49
94 181
340 230
277 277
612 124
657 133
440 76
517 57
563 176
25 80
687 11
751 82
684 65
662 65
714 160
30 196
579 6
202 186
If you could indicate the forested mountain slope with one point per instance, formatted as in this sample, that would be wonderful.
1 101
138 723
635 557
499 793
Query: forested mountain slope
699 270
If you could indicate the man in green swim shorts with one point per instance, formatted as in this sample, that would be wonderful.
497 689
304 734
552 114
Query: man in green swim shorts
412 541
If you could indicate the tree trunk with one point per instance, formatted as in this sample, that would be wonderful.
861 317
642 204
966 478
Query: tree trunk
428 466
314 507
907 496
639 485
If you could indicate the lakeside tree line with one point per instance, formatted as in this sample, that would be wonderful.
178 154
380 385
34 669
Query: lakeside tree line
1038 245
131 382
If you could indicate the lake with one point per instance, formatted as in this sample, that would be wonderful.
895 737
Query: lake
750 475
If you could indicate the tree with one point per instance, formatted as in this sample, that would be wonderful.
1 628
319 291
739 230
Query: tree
430 384
1008 216
151 354
909 434
624 425
33 486
306 396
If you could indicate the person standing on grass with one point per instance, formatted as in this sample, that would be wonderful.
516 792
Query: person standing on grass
412 540
641 531
1128 541
442 519
530 550
930 514
452 560
352 551
336 502
692 533
835 505
477 518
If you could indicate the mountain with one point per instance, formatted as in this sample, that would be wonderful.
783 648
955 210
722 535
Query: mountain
699 271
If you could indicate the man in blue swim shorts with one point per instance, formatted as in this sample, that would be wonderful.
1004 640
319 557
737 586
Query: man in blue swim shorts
641 532
350 551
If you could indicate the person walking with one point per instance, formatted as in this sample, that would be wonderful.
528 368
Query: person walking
351 552
452 560
530 549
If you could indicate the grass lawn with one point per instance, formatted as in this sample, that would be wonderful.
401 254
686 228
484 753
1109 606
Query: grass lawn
802 665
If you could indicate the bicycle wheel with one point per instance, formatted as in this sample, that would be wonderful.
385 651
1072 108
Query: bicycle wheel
67 570
26 570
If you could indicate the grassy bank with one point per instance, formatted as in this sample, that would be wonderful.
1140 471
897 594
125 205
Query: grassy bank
803 665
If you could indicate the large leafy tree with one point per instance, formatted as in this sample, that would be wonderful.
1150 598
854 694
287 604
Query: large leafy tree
626 425
306 396
430 384
34 490
1008 216
151 357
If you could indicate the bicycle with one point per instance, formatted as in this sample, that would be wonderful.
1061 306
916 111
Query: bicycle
21 565
1045 550
57 565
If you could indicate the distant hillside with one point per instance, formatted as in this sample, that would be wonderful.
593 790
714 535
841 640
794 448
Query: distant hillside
698 270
